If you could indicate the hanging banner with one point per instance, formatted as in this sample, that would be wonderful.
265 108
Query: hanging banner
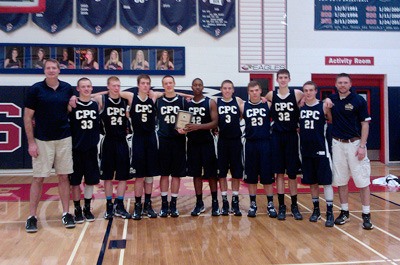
178 15
58 16
12 22
366 15
139 17
96 16
20 6
217 17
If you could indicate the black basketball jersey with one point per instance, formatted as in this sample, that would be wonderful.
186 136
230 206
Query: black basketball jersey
85 125
201 114
167 109
228 118
113 117
313 131
285 112
143 115
257 118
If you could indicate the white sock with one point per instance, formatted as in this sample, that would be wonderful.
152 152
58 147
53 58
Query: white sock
345 206
366 209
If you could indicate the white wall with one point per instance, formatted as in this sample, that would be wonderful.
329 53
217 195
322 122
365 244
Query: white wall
307 48
214 60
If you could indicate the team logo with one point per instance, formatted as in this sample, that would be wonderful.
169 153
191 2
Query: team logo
140 30
9 26
98 29
53 28
349 107
179 29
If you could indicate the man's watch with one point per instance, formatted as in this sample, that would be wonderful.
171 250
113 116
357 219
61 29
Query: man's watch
363 146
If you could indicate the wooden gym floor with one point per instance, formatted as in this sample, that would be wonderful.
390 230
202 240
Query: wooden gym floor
203 239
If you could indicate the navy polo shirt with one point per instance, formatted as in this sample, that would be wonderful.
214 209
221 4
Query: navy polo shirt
51 110
347 115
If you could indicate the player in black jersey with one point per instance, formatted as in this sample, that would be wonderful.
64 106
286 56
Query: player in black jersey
229 147
85 128
258 164
316 159
114 149
285 116
144 162
201 149
172 146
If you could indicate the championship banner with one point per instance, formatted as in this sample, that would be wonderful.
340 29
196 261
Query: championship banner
96 16
178 16
12 22
217 17
22 6
139 17
58 16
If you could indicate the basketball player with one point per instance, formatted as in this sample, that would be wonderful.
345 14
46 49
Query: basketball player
350 128
285 115
144 162
172 146
114 148
85 128
316 159
201 149
229 145
257 165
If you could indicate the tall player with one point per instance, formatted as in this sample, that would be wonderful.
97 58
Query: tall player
114 148
285 146
316 159
172 146
201 149
144 162
85 128
230 146
258 165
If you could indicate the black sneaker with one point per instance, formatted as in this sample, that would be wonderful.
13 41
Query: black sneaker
253 210
235 208
343 218
137 212
271 210
164 209
121 212
295 212
31 225
198 209
78 215
225 208
109 211
282 213
215 208
88 214
367 225
316 215
172 210
68 220
330 219
148 210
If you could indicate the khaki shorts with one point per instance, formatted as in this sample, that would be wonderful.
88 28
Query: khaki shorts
346 164
57 153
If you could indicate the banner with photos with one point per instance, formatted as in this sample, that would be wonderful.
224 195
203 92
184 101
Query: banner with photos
139 17
11 22
17 58
58 16
96 16
217 17
178 16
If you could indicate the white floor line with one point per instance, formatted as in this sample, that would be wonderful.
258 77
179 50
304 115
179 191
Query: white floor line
354 238
343 262
124 233
78 243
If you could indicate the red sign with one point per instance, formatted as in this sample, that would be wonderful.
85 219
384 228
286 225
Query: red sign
346 60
